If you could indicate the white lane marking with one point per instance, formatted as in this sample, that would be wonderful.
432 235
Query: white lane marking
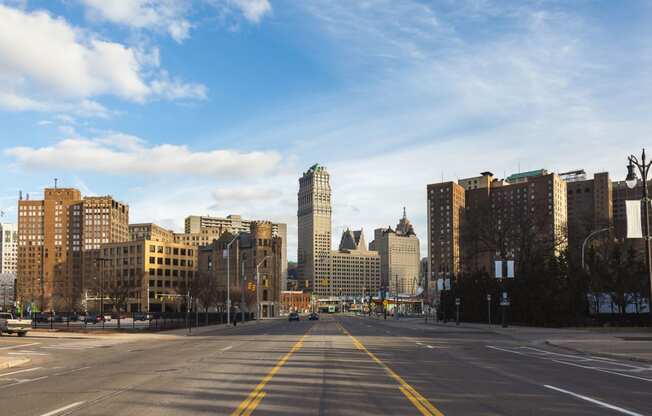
23 382
581 358
430 346
62 409
19 346
71 371
599 403
419 343
571 364
227 348
20 371
27 353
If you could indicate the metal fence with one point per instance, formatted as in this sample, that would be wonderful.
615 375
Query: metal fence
142 321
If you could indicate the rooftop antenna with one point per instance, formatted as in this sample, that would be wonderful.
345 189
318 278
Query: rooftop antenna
20 195
442 176
56 182
404 216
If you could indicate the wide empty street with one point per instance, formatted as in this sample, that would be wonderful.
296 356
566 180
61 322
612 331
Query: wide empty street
339 365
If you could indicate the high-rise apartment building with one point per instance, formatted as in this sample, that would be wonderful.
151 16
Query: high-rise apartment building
490 217
58 244
353 270
446 202
314 224
399 257
197 226
8 248
590 206
258 250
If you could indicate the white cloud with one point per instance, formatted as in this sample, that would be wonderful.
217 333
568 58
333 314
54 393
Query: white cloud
125 155
253 10
47 64
161 15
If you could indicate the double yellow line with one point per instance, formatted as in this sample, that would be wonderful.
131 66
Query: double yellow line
421 403
257 394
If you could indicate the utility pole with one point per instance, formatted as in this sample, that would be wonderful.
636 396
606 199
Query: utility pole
396 296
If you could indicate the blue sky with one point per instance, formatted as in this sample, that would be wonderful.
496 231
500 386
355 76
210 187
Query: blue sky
217 106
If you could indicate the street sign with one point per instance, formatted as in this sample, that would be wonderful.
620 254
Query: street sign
489 298
457 301
504 303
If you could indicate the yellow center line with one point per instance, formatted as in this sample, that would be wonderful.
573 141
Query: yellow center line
254 398
421 403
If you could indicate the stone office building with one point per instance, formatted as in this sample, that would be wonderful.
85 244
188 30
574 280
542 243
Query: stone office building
257 251
399 257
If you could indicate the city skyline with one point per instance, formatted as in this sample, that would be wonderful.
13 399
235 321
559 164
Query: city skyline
452 94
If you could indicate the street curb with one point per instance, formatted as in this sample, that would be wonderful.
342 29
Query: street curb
600 354
14 363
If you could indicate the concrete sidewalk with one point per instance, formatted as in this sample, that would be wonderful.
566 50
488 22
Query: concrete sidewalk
633 344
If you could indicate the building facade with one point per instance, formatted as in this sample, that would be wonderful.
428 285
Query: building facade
353 270
196 226
149 231
8 248
446 202
399 257
143 275
295 301
58 245
7 291
468 230
314 228
590 207
257 251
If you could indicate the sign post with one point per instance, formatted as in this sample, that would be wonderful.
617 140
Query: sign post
457 307
489 307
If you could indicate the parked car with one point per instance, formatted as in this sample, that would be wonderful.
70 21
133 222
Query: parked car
142 316
107 318
313 317
41 317
93 319
293 316
13 325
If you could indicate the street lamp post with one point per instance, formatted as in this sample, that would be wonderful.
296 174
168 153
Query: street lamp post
644 168
228 279
586 240
258 286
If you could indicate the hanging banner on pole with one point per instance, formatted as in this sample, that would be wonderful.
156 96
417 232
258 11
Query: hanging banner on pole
510 269
499 269
633 210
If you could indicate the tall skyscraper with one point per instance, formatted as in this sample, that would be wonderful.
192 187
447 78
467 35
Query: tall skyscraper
314 223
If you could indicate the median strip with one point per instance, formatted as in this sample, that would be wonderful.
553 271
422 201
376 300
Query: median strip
256 396
421 403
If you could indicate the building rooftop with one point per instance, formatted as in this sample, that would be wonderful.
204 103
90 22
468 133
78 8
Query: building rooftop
521 175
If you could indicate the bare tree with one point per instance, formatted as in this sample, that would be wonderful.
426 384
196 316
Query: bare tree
118 292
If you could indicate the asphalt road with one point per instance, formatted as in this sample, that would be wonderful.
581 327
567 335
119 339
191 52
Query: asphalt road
341 365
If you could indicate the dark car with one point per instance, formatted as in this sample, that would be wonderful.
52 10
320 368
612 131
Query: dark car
294 316
94 319
313 317
142 316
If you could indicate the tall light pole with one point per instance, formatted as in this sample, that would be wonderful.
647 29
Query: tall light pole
644 169
228 279
258 286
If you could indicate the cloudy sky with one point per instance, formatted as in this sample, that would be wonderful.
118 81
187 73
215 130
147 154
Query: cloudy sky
218 106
